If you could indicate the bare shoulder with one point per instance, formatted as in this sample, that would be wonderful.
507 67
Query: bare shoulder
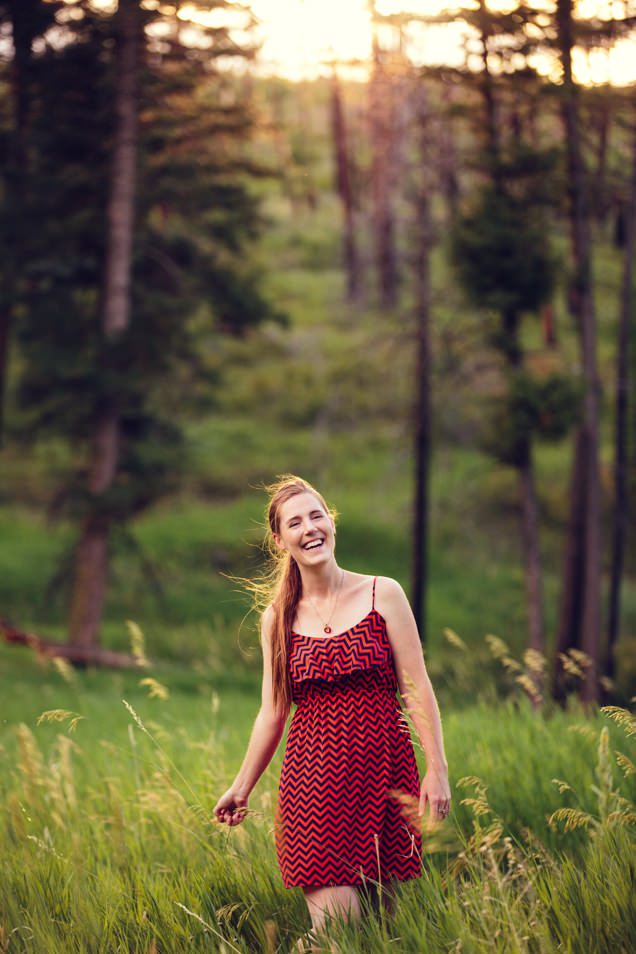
357 582
391 602
389 590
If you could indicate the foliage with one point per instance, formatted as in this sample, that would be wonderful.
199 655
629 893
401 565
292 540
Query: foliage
191 279
545 408
500 251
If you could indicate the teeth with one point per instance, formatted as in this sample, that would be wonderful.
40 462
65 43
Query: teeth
313 545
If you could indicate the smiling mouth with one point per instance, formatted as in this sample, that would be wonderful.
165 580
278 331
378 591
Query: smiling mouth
313 545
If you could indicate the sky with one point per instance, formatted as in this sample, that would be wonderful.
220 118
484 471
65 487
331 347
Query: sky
301 36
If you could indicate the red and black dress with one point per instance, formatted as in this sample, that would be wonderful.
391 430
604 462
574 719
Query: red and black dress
348 751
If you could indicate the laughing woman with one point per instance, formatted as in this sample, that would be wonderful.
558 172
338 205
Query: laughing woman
338 645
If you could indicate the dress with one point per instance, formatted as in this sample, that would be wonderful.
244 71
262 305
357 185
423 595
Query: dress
348 751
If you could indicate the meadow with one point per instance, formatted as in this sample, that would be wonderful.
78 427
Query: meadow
107 779
108 843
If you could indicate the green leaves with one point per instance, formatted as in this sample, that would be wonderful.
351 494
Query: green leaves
533 407
500 249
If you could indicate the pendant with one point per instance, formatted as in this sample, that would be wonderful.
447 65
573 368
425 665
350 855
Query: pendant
327 629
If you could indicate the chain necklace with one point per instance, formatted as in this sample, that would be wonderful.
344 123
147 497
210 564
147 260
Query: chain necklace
326 628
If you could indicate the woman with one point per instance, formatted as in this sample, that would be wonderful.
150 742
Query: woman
334 642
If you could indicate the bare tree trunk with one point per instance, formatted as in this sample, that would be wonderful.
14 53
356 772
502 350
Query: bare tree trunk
422 410
380 108
530 534
343 182
529 516
619 517
448 165
571 612
590 595
91 568
601 206
492 133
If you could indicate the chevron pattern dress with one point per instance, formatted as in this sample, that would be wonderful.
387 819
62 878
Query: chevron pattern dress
347 752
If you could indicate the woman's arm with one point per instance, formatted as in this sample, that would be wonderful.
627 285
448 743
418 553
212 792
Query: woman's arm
268 729
417 693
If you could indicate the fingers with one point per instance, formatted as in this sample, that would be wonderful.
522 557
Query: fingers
439 808
231 817
230 811
443 808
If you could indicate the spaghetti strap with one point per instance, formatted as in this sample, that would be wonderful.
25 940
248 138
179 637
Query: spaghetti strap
373 594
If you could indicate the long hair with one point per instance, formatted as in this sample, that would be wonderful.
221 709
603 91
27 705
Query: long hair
281 586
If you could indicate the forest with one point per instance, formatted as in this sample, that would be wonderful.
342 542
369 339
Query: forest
409 281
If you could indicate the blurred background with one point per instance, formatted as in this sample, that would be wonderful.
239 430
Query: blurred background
388 247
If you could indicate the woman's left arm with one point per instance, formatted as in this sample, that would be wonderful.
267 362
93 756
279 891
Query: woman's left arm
417 693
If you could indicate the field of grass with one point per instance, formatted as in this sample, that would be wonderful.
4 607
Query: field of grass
107 842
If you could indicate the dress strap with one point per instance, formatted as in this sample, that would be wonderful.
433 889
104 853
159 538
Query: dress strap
373 593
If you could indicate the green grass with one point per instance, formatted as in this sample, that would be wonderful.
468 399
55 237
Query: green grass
106 831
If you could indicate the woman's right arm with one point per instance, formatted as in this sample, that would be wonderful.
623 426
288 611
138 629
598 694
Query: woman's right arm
268 729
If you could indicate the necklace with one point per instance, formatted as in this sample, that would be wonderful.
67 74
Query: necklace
326 628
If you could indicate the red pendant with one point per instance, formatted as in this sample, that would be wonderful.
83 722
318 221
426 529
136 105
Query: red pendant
327 629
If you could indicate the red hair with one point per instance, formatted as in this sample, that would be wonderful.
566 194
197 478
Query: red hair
281 587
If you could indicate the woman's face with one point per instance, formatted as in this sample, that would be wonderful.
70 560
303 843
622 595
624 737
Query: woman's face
305 529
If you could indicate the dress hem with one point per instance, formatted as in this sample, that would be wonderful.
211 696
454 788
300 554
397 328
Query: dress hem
354 883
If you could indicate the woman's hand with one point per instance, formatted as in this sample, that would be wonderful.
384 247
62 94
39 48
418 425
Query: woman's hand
435 791
231 808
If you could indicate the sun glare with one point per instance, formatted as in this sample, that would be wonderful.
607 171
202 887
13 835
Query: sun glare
300 37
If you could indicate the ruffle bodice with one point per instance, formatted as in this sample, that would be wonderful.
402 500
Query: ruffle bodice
364 647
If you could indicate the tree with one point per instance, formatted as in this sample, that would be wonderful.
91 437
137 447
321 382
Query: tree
91 565
423 240
581 601
28 19
384 170
118 317
505 264
620 508
344 187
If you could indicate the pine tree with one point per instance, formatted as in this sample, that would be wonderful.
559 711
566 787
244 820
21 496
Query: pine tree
106 366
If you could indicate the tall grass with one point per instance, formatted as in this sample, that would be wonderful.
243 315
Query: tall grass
107 842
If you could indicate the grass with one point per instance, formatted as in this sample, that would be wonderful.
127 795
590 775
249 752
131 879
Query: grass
107 841
106 838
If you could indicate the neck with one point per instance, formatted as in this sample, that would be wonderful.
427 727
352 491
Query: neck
319 581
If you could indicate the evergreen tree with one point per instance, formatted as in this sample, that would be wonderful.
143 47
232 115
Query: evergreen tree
110 382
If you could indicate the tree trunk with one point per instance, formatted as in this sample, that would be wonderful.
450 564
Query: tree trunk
343 183
619 516
532 559
601 206
492 133
77 655
422 410
570 621
529 515
590 595
91 568
380 108
448 164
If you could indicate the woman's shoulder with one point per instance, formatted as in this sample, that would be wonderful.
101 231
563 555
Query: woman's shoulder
385 588
385 583
389 595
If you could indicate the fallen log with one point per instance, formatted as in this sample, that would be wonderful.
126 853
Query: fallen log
77 655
